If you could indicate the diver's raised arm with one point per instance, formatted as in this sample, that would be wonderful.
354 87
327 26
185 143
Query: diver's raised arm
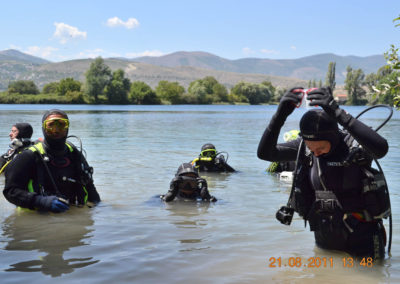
268 149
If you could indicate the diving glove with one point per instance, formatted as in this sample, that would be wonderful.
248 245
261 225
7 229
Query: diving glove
289 101
51 203
323 97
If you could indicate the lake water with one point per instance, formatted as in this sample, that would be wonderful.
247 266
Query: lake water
133 237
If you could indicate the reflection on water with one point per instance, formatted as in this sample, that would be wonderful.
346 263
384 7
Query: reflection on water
49 238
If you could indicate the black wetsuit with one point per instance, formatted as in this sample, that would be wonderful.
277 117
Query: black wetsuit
26 177
197 190
217 164
328 171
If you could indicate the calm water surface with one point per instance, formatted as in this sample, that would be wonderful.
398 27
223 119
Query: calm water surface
132 237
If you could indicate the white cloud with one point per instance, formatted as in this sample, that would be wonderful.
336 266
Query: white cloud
269 51
247 51
43 52
66 32
131 23
293 47
145 53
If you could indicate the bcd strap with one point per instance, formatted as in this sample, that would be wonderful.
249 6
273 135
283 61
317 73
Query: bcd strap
326 201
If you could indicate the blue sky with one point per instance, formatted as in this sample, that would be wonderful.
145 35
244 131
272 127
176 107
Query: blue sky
64 30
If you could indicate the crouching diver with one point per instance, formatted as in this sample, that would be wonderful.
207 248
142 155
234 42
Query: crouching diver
20 136
188 185
53 174
210 160
334 188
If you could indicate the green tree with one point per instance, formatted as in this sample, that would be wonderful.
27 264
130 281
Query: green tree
68 85
371 80
170 91
271 89
199 90
330 76
387 89
50 88
23 87
220 92
208 90
255 93
97 78
353 86
142 94
118 88
391 86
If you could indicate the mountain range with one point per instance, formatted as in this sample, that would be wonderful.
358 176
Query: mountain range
185 67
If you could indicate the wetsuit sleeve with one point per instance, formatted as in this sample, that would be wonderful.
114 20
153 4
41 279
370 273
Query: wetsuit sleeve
93 195
221 162
369 139
269 150
17 176
228 168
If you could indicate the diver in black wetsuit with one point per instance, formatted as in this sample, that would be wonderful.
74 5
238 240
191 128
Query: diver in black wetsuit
331 187
53 174
20 136
188 185
211 161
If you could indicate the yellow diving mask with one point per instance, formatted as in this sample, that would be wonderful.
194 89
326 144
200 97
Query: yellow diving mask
55 124
208 153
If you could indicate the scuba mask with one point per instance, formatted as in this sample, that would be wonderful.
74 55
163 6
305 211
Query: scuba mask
55 124
209 153
188 185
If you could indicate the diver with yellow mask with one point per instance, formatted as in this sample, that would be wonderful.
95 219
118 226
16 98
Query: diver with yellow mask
53 174
210 160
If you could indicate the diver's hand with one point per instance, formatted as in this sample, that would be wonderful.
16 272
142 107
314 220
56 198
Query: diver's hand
213 199
220 160
323 97
51 203
289 101
202 183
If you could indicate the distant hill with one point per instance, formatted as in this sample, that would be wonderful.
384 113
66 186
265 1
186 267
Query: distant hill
185 67
135 71
305 68
17 56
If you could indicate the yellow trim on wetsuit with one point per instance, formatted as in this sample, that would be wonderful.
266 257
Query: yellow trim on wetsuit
39 147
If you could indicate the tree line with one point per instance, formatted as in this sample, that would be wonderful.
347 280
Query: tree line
103 86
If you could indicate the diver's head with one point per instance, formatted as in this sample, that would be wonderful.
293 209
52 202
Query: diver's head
187 169
55 125
320 132
188 185
208 150
13 133
21 130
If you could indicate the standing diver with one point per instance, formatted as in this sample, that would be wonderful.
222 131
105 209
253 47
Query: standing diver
53 174
20 136
210 160
334 188
188 185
